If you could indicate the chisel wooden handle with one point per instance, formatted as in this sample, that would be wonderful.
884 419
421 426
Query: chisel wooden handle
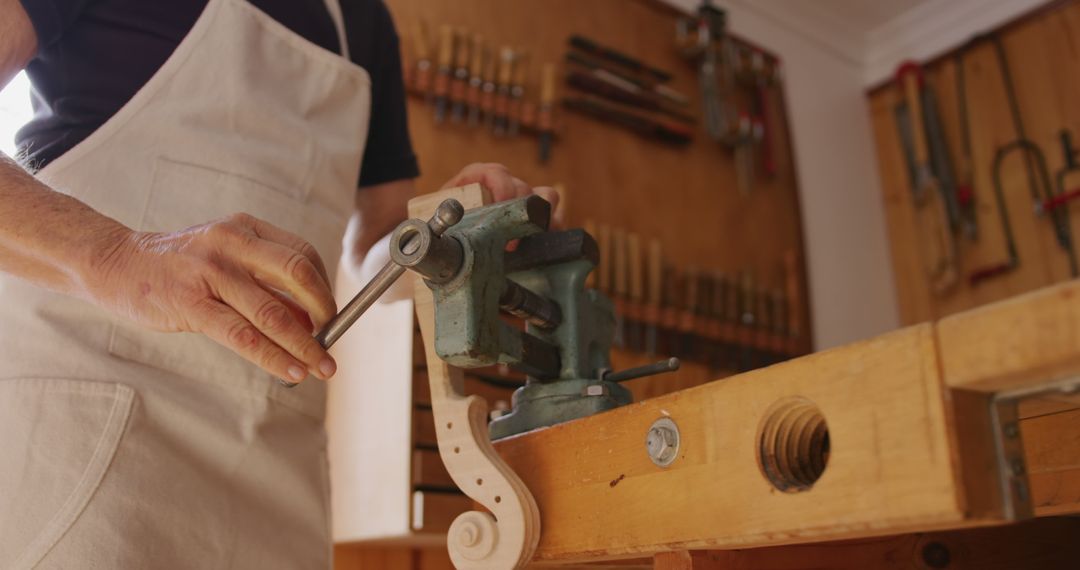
636 272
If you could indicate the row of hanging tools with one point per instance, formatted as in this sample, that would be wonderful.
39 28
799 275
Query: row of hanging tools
1038 174
933 191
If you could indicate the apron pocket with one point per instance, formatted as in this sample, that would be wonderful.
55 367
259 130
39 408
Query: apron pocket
58 439
184 195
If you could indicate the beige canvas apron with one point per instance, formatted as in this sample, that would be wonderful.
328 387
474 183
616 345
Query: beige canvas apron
122 448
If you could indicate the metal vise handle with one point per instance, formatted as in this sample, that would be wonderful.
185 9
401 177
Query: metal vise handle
446 215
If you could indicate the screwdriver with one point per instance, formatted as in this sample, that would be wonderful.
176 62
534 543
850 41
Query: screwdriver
655 272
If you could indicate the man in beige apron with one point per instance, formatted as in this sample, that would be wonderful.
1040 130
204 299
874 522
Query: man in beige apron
121 447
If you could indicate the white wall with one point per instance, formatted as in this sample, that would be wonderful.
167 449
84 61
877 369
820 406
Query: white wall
851 281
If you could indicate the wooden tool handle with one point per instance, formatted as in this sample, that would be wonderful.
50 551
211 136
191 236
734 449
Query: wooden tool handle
446 46
690 302
637 275
656 273
491 64
506 65
910 75
547 84
477 64
463 46
421 45
618 245
521 67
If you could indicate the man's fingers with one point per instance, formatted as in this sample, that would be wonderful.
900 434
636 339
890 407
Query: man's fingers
288 239
548 193
287 270
224 325
275 320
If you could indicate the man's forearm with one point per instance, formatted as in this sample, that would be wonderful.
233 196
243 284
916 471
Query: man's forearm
46 237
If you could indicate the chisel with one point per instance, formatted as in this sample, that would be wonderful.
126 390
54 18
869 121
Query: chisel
687 316
459 86
444 73
659 89
545 121
422 73
670 311
655 296
502 93
646 127
476 79
517 92
635 328
704 339
620 285
726 322
588 46
487 91
747 322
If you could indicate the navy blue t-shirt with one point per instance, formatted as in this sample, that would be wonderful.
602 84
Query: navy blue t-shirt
94 55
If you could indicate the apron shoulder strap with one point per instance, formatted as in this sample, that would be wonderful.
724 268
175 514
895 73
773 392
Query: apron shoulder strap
334 7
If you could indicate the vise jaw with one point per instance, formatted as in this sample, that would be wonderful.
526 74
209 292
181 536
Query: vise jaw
540 278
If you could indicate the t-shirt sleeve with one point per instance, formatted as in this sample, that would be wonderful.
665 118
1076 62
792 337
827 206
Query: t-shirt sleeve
389 154
51 18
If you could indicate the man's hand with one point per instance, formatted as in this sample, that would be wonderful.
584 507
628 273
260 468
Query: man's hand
503 185
379 209
252 287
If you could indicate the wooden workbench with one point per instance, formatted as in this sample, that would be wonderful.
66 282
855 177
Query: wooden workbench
922 436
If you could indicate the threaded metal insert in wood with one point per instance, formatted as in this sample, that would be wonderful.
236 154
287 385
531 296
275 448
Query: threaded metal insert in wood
793 444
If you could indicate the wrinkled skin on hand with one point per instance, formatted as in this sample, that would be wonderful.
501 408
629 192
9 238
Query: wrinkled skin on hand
252 287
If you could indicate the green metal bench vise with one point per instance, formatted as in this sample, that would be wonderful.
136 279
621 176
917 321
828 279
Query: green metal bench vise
476 280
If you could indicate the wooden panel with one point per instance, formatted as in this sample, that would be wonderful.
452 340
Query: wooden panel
685 197
1033 545
889 468
1045 63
